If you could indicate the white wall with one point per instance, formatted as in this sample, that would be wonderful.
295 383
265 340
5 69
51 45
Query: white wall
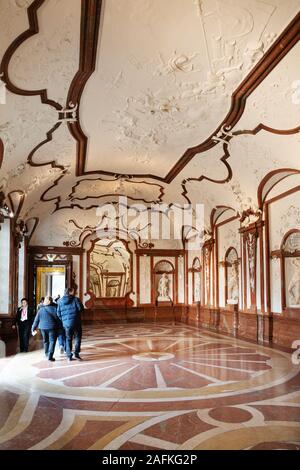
4 266
21 292
284 214
145 279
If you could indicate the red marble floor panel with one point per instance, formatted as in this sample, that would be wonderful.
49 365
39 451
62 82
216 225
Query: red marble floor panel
7 402
134 446
45 420
221 373
90 433
65 369
228 414
177 377
97 377
280 413
255 357
80 404
236 364
142 377
178 429
276 445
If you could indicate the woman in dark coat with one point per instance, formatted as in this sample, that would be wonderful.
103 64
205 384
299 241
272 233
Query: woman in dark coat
48 323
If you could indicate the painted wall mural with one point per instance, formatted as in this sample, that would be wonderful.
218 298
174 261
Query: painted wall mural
110 269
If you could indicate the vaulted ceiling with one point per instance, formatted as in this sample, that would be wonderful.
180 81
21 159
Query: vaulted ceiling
163 101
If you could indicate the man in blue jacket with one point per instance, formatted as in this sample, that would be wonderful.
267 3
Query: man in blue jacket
69 312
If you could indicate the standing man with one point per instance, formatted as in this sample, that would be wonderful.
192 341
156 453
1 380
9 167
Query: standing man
24 319
69 312
61 334
48 323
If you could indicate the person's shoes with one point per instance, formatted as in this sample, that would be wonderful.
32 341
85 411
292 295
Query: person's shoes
78 357
62 350
52 359
70 359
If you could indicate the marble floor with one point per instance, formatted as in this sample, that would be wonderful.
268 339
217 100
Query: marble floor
161 386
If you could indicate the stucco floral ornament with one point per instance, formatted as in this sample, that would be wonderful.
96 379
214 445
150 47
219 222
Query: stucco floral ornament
22 3
249 212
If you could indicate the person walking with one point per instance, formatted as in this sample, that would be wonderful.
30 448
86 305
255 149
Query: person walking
23 320
61 335
69 312
41 303
48 323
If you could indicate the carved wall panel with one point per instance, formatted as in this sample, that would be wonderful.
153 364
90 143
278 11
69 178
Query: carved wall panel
145 279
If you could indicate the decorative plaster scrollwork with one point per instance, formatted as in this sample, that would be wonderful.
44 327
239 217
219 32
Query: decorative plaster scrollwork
223 135
292 243
68 114
22 3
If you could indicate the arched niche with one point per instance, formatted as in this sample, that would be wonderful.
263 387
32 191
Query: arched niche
196 280
231 276
290 269
109 272
164 281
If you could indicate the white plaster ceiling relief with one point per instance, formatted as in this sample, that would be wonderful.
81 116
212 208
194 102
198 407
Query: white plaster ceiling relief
210 165
276 92
93 190
13 21
235 32
253 156
173 88
59 30
61 148
24 123
22 3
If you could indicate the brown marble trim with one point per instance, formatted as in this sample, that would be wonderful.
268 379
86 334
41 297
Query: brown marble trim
54 249
223 159
217 212
1 152
90 25
262 199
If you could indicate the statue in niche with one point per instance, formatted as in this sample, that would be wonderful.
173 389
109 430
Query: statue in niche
294 285
233 285
163 286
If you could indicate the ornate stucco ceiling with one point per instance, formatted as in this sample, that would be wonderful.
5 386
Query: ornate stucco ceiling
165 101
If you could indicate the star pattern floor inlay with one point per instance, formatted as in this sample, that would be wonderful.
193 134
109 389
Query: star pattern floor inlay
152 387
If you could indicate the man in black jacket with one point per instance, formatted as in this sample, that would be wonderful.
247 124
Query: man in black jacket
24 319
